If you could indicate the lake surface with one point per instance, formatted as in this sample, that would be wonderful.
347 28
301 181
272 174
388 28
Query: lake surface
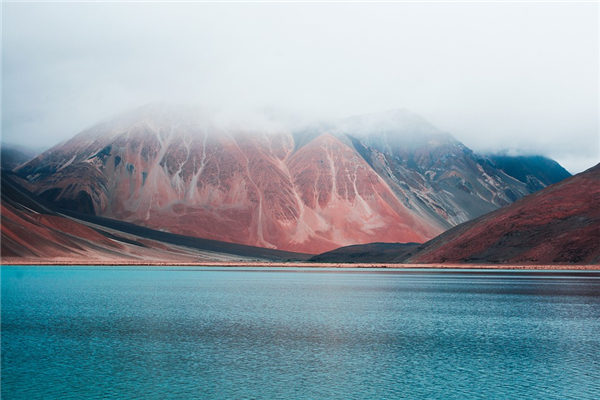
208 333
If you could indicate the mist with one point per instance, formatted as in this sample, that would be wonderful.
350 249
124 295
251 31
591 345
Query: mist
516 78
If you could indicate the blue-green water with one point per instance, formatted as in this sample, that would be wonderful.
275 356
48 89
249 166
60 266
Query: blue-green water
79 332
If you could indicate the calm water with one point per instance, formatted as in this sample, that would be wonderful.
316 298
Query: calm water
78 332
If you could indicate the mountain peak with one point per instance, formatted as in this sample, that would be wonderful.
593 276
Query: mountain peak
399 120
394 129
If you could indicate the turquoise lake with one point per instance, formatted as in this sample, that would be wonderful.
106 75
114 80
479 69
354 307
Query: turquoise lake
258 333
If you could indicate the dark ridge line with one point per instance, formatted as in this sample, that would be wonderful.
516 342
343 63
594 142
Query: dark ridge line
187 241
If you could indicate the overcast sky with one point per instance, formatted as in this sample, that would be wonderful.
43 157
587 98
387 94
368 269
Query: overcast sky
515 77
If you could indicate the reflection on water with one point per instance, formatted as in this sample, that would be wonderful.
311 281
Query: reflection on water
259 333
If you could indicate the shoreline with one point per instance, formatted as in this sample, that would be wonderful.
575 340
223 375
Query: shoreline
125 263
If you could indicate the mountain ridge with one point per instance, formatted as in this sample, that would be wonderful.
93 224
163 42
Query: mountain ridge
309 190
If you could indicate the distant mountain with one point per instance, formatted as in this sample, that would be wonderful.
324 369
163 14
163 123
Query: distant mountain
536 171
12 156
432 173
388 177
559 224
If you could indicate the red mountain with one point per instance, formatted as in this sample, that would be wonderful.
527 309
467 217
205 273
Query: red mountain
238 186
385 178
559 224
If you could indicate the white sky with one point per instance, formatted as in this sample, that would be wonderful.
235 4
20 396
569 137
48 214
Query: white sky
498 76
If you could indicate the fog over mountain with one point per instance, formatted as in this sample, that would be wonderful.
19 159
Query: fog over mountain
511 78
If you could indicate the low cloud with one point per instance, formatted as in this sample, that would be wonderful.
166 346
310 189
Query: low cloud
519 77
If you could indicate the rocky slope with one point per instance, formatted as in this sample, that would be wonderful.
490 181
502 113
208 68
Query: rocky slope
389 177
559 224
432 173
31 230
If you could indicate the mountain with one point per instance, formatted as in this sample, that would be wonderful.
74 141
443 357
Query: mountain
32 230
432 173
536 171
559 224
388 177
12 156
